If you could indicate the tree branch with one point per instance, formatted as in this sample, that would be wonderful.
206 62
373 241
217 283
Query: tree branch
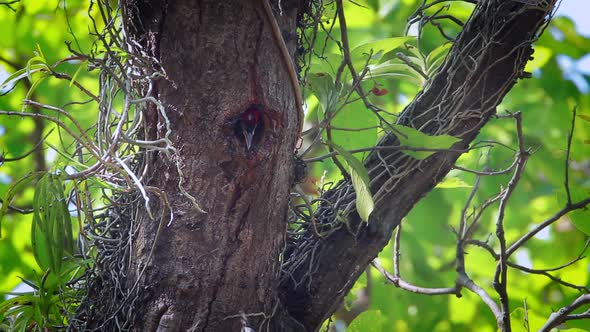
483 65
563 314
501 275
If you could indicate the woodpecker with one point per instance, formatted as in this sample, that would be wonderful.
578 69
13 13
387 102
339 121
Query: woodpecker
249 123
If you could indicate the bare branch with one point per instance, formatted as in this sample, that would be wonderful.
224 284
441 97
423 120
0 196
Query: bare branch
464 280
501 275
562 315
3 159
17 209
567 157
9 3
575 206
400 283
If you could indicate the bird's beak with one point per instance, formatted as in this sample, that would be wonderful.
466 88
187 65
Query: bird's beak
249 136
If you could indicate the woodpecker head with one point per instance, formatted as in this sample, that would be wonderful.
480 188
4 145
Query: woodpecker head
250 122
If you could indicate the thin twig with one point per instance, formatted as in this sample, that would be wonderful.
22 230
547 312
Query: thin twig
567 157
574 206
9 3
400 283
37 145
387 148
500 277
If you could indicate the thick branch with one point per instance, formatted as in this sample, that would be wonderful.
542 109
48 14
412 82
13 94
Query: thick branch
485 62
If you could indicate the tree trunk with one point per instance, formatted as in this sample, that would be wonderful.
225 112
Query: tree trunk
207 268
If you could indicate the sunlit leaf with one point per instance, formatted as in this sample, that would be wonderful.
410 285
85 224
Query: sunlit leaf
51 231
417 139
354 126
14 189
438 54
20 300
38 59
20 74
322 86
41 227
393 70
327 64
368 321
360 182
376 50
540 58
80 67
32 89
452 182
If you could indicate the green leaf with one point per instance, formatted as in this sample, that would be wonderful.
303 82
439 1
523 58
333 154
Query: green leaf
20 74
394 69
434 59
414 79
66 233
584 117
40 237
32 90
322 86
329 64
14 189
540 58
32 61
77 73
438 54
368 321
354 116
328 10
452 182
39 53
389 67
16 301
417 139
360 182
376 49
51 231
73 162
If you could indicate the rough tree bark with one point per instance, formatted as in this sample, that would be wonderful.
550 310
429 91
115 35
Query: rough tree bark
220 56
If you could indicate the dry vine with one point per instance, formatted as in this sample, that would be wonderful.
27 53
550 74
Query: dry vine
122 139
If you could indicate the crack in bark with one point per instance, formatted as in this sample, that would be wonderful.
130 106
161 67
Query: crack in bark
242 221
